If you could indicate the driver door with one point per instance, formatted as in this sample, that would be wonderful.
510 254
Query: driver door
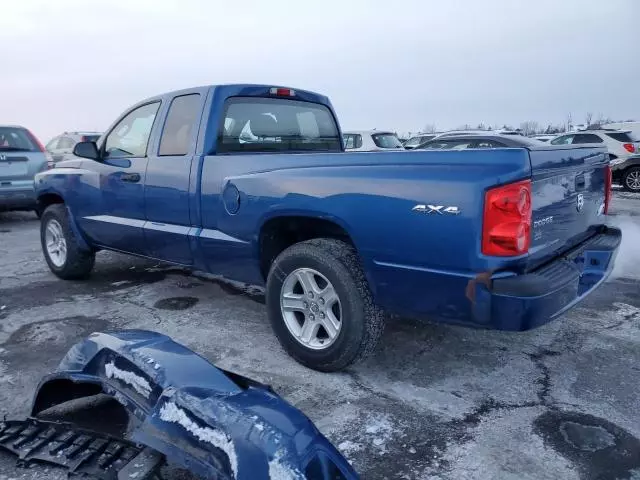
116 220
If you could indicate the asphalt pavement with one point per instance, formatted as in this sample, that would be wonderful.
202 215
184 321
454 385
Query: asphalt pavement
435 401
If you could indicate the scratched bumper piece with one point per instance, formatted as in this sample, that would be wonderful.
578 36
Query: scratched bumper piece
82 452
217 424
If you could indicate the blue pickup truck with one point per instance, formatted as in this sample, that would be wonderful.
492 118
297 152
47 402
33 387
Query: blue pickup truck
252 182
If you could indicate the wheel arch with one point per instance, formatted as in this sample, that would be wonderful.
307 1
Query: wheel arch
280 231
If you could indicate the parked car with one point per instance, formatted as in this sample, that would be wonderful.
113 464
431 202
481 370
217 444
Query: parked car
371 140
21 157
61 147
623 148
417 140
252 182
465 141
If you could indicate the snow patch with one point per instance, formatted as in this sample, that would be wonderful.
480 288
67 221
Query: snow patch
138 383
171 413
279 470
629 252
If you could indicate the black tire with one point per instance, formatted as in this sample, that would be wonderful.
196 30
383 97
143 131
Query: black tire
79 262
362 320
626 176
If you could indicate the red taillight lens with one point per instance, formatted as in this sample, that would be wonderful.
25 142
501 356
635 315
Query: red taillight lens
506 227
629 147
282 92
607 188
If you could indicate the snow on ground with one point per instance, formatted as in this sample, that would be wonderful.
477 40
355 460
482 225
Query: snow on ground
434 402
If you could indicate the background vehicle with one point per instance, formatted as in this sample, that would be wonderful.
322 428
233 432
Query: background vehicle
371 140
251 182
61 147
21 157
462 141
417 140
623 149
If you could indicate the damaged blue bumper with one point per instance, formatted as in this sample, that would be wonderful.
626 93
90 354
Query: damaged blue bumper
215 423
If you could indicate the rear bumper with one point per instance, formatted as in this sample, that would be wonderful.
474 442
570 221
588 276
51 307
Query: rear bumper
17 197
523 302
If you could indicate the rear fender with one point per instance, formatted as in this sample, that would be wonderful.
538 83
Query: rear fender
215 423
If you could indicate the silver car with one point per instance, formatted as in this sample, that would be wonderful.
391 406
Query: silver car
21 157
61 147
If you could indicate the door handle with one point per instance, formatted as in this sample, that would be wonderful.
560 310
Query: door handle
130 177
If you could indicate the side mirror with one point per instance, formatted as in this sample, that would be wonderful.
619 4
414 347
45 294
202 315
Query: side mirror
86 150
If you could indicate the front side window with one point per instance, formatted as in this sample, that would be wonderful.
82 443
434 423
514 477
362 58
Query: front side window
53 144
254 124
130 136
180 125
563 140
386 140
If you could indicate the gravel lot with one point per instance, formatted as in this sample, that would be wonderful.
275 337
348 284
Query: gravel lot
436 401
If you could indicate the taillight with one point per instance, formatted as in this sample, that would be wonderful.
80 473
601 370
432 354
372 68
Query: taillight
607 188
506 226
629 147
282 92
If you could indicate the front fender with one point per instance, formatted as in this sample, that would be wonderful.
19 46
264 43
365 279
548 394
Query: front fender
215 423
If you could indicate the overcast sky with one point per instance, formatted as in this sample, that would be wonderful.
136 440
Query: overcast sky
76 64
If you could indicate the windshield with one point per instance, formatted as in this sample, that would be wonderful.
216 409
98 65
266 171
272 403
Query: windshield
386 140
16 139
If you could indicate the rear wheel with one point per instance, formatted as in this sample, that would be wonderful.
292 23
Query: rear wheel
320 305
631 179
60 246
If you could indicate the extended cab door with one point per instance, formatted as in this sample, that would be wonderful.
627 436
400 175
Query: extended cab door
168 178
116 217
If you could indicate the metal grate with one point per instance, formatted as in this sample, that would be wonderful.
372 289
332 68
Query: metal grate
82 452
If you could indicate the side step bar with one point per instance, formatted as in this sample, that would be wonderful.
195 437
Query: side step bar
82 452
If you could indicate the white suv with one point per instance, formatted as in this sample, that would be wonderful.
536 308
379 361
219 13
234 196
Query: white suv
624 152
371 141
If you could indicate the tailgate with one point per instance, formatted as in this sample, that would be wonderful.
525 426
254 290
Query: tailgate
568 194
20 165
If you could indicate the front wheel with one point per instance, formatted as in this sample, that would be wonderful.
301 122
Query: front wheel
320 305
631 179
61 249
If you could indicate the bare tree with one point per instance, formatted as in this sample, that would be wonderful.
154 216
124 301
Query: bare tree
429 128
587 118
466 126
530 127
602 120
569 122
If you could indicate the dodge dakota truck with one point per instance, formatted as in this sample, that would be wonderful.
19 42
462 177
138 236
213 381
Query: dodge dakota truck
252 183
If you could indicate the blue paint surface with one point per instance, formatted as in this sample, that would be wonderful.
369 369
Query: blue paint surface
155 377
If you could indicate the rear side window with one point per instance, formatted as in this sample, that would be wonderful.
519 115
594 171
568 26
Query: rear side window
254 124
446 144
14 139
586 138
386 140
487 144
621 137
180 124
352 140
90 138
